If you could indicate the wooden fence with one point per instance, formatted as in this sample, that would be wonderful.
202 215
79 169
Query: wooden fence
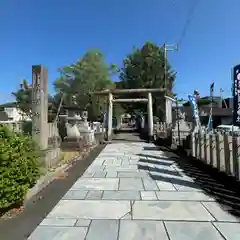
222 151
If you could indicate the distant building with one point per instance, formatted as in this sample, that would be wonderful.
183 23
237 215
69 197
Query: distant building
221 111
9 112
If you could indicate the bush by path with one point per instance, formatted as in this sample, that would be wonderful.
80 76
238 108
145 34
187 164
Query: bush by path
19 167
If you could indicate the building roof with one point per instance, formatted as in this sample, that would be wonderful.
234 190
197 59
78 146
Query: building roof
8 105
216 111
205 100
215 98
205 107
205 111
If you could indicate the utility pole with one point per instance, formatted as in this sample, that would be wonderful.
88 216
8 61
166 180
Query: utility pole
166 48
178 127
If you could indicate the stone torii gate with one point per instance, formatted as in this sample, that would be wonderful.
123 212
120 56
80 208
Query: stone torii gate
111 100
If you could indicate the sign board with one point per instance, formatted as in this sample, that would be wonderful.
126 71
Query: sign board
236 95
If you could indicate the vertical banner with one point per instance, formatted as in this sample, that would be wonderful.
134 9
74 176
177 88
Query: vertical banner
194 107
210 121
212 91
236 95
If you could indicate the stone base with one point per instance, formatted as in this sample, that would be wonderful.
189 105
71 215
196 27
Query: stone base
51 157
88 138
109 138
174 147
150 139
72 144
72 139
99 138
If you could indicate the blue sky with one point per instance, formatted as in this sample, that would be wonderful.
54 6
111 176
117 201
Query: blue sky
58 32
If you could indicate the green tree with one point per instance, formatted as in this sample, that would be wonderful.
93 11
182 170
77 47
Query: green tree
90 73
23 97
144 68
23 100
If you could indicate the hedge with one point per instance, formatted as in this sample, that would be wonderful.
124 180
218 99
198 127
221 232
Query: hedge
19 167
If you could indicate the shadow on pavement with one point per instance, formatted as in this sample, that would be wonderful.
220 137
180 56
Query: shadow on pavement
125 130
127 136
157 148
126 140
190 175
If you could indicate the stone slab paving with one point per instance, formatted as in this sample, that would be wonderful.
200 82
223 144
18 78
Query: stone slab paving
131 192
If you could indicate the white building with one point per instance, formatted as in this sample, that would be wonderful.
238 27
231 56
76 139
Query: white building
15 114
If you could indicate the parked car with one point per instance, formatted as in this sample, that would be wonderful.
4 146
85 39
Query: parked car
228 128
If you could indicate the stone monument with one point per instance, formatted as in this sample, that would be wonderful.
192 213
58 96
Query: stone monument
168 108
181 128
78 131
71 119
85 130
45 134
40 106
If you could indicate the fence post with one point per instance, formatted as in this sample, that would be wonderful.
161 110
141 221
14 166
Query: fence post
193 143
214 151
207 147
221 153
237 159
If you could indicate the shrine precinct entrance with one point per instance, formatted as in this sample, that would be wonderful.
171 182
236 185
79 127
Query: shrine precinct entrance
148 100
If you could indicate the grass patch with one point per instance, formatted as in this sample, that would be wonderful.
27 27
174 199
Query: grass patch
65 157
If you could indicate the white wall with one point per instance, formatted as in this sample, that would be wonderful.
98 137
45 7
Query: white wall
15 114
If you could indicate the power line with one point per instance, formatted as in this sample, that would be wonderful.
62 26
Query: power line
188 21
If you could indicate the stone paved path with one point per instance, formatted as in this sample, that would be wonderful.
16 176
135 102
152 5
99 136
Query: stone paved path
134 192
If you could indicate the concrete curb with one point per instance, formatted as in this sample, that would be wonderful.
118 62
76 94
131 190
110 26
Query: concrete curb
45 180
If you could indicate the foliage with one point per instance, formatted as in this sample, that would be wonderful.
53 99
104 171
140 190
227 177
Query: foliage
181 100
54 103
19 167
90 73
23 98
118 110
144 68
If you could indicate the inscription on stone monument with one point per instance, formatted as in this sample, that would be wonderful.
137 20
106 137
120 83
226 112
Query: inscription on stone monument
40 106
36 101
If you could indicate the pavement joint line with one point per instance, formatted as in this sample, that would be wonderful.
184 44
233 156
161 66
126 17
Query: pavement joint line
144 210
36 208
202 203
165 228
218 231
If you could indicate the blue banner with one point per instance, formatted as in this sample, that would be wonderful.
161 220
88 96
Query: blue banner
210 122
236 95
194 107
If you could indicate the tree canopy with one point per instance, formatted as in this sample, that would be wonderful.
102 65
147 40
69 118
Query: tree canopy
144 68
23 98
90 73
141 68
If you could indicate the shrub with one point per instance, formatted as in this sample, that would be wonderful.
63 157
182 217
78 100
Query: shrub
19 167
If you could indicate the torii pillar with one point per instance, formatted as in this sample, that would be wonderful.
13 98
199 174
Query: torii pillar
150 117
149 91
110 116
168 109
